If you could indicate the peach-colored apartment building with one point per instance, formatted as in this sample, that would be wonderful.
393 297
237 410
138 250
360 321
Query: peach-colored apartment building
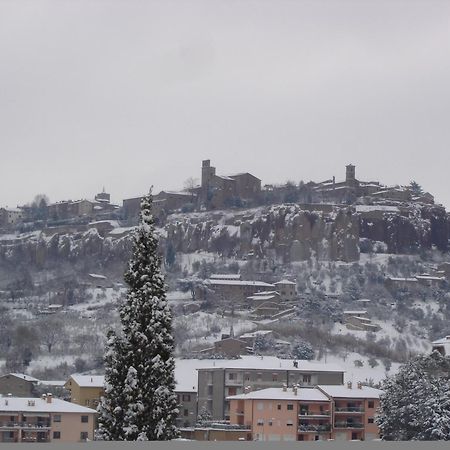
44 420
308 414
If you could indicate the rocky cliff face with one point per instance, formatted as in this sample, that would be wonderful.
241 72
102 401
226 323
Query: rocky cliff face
285 231
289 232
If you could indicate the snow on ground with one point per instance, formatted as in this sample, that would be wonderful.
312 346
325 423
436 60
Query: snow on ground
100 297
206 328
364 373
387 330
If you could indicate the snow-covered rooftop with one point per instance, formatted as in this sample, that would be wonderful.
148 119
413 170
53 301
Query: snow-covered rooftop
270 363
98 276
225 276
343 391
29 404
305 394
262 297
23 376
239 283
444 340
285 282
255 333
88 380
356 312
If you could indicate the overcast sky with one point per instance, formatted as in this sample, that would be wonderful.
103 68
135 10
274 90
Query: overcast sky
126 94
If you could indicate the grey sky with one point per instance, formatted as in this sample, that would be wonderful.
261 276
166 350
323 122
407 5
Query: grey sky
125 94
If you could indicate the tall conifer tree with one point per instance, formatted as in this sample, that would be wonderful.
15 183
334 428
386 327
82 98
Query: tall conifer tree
139 401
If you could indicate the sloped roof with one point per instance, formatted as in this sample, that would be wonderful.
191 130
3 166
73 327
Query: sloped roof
342 391
19 404
23 376
305 394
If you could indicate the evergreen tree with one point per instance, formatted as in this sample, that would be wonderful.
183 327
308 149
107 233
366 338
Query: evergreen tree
139 401
415 188
415 404
303 351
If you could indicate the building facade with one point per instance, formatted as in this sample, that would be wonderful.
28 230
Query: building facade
230 378
44 419
308 414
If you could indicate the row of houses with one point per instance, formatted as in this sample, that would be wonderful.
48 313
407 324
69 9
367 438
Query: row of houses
216 386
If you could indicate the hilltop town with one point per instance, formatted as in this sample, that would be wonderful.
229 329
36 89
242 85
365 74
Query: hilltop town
300 295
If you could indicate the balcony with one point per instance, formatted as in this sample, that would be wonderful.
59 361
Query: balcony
314 415
314 428
234 382
25 425
349 409
348 425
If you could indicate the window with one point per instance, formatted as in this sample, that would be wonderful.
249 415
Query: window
84 435
274 377
186 398
306 378
185 412
260 422
57 418
279 407
57 435
290 407
289 423
371 404
301 437
178 398
247 376
259 376
316 437
270 422
86 402
370 420
84 419
260 406
231 376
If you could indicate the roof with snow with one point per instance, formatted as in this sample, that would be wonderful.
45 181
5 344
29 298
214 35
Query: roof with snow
443 341
255 333
344 391
22 376
285 282
225 276
262 297
305 394
270 363
97 381
358 312
96 275
239 283
30 404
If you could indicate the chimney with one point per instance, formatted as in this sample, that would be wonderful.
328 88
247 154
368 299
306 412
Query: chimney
9 394
349 384
49 397
359 385
6 402
284 387
247 389
295 364
295 389
44 397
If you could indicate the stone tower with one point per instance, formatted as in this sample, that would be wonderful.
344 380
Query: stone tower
350 177
207 173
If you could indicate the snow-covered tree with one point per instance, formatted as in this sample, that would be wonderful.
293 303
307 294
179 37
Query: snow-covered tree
204 416
139 401
416 401
303 351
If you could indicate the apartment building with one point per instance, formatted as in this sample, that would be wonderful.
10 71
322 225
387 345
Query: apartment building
307 414
44 419
85 390
224 378
18 385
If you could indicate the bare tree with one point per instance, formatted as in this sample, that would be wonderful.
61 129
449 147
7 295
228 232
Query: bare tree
51 331
190 183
